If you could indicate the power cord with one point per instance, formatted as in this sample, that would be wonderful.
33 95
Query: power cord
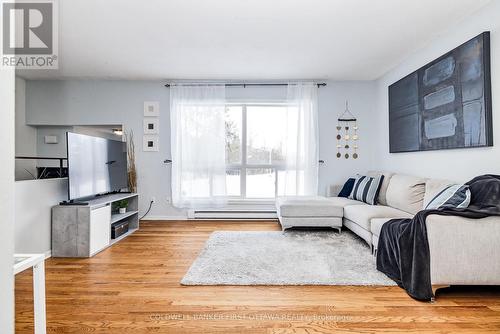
149 209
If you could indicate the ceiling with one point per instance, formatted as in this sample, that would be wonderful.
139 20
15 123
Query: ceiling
238 39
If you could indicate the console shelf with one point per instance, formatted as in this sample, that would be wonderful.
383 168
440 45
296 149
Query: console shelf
115 217
84 230
113 241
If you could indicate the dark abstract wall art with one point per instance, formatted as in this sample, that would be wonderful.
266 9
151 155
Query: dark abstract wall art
445 104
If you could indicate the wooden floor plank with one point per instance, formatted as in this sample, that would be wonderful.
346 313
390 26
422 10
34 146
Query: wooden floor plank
133 287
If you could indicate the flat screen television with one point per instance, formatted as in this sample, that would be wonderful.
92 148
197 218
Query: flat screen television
95 165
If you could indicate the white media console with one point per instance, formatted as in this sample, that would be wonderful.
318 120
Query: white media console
84 230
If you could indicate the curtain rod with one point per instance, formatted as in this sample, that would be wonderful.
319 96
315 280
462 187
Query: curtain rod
320 84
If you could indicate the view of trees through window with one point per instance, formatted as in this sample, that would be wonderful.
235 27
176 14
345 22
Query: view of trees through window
254 149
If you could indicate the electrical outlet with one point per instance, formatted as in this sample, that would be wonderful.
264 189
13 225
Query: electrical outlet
153 199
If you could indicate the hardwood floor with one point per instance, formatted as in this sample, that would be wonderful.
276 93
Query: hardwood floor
133 287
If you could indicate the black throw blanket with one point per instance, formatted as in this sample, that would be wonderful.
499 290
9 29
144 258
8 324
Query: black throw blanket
403 247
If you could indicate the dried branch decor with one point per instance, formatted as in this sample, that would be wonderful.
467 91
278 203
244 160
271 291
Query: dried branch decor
132 172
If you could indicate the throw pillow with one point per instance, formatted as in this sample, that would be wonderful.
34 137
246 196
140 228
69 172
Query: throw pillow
347 188
366 188
455 196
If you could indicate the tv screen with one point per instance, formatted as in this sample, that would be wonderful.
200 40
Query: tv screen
95 165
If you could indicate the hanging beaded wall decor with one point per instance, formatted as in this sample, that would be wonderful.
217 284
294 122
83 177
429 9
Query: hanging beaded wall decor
347 134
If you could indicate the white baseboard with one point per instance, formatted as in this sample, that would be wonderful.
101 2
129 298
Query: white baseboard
164 218
48 254
235 215
253 218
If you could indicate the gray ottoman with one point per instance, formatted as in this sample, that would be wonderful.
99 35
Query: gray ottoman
313 211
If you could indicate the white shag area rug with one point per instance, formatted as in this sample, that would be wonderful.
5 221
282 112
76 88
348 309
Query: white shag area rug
285 258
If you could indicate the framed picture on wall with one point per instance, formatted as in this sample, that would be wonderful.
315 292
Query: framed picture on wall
151 126
151 109
445 104
150 143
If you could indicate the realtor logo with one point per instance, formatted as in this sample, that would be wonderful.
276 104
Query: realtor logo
29 34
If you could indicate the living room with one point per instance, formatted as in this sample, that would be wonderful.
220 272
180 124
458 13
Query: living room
250 167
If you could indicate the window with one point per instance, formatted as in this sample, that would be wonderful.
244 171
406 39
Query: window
255 149
243 151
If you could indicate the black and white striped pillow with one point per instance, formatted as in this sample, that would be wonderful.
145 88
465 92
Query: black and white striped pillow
455 196
366 189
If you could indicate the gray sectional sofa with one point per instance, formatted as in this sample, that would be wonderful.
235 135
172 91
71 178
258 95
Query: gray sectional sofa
462 251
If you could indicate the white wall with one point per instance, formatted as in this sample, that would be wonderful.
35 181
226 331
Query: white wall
459 164
33 202
7 105
51 150
92 102
25 135
331 104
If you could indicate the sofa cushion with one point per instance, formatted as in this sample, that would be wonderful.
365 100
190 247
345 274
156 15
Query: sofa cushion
433 187
376 225
382 195
334 190
406 193
362 214
302 206
342 201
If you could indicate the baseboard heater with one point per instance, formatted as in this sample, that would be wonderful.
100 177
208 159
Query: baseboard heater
233 214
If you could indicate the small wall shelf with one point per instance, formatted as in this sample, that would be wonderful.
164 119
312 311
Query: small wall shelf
85 230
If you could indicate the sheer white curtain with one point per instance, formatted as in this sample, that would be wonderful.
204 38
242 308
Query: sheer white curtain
198 145
302 144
